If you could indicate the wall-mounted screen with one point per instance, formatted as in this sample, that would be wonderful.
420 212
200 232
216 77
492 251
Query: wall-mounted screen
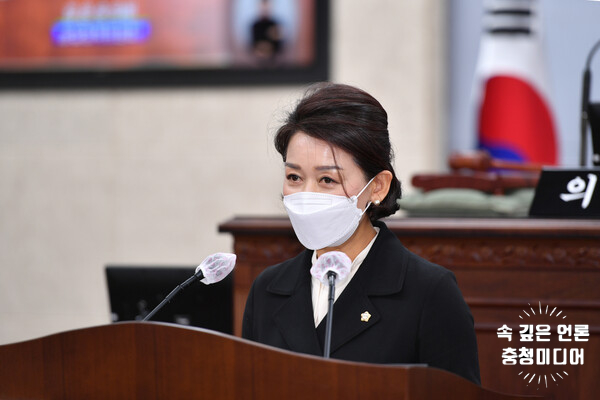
149 42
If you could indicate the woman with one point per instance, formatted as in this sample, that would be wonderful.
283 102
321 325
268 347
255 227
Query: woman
394 307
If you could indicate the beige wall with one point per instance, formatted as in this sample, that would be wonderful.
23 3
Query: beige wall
89 178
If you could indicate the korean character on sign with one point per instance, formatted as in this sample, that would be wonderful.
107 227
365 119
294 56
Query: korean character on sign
526 333
582 332
542 333
564 330
505 332
542 356
525 356
579 189
509 356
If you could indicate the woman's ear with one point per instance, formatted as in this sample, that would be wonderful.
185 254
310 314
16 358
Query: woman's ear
381 186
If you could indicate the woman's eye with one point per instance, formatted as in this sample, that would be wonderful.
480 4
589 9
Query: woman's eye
327 180
293 178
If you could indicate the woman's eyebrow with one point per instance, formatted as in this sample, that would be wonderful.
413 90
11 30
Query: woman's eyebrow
326 167
292 166
318 168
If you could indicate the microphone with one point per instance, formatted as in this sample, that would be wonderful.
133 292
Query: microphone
213 269
329 267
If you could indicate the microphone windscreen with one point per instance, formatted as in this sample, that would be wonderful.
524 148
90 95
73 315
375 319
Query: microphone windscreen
216 267
334 261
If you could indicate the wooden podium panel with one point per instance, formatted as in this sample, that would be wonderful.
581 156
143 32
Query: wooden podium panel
159 361
503 266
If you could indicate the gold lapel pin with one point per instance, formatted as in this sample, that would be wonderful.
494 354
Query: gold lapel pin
364 317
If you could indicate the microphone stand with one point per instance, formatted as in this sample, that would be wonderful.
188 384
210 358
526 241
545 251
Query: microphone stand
197 275
329 322
585 103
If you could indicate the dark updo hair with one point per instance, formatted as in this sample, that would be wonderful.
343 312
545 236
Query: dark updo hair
352 120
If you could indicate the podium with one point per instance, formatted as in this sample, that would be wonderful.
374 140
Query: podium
138 360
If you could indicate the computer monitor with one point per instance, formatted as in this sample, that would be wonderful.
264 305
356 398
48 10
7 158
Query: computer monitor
135 290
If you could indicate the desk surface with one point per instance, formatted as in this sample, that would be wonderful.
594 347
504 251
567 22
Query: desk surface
440 226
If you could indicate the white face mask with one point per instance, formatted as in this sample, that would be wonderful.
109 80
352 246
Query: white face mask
323 220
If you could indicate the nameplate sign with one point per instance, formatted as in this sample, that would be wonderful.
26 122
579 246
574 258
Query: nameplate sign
573 192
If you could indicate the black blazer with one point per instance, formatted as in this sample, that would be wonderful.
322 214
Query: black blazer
418 314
